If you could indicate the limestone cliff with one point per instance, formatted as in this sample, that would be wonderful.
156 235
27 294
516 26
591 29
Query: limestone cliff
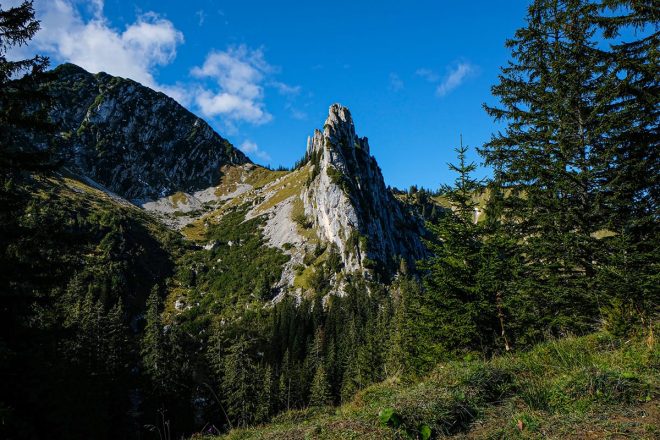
348 201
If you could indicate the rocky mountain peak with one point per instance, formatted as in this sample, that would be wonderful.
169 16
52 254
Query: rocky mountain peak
349 202
339 131
132 140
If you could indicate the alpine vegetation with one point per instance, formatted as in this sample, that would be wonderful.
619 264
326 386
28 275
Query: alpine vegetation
156 283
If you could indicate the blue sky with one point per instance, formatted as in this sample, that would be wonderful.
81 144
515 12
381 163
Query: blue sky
414 74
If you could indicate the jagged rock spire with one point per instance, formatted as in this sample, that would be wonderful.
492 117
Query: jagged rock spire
348 199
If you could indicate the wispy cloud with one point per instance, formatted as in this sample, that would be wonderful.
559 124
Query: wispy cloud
427 74
396 83
201 17
252 149
455 77
456 74
294 112
285 89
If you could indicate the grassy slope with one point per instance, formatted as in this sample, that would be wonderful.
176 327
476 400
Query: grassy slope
256 177
579 387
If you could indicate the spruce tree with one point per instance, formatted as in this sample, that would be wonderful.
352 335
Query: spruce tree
632 181
320 389
154 349
239 383
284 383
550 161
116 337
498 275
452 303
265 400
22 107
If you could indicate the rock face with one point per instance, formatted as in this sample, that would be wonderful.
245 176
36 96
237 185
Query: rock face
135 141
349 203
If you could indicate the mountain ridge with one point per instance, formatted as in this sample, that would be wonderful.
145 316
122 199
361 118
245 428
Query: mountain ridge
145 147
135 141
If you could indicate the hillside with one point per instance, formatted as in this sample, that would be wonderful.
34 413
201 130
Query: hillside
589 387
130 139
78 267
155 283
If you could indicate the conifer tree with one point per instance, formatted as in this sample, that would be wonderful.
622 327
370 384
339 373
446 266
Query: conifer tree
395 362
116 339
550 161
18 25
265 400
239 383
154 349
350 380
497 276
315 353
452 303
632 182
284 385
320 389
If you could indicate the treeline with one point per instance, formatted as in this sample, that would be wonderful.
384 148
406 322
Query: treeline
262 361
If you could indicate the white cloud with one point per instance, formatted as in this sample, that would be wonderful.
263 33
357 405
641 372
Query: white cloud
234 107
135 52
455 78
229 85
238 75
396 83
252 149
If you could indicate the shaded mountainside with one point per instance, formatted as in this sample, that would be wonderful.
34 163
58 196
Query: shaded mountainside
134 141
77 268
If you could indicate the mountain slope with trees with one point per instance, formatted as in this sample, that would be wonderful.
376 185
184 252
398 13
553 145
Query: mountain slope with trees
241 295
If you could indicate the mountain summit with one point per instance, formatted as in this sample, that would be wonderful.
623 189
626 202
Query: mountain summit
348 200
132 140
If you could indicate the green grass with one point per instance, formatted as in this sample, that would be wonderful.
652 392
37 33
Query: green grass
178 198
576 387
289 186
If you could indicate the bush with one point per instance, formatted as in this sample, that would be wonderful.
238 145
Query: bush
302 220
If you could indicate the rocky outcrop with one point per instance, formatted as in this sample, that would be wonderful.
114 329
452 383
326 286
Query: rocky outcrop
348 201
135 141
